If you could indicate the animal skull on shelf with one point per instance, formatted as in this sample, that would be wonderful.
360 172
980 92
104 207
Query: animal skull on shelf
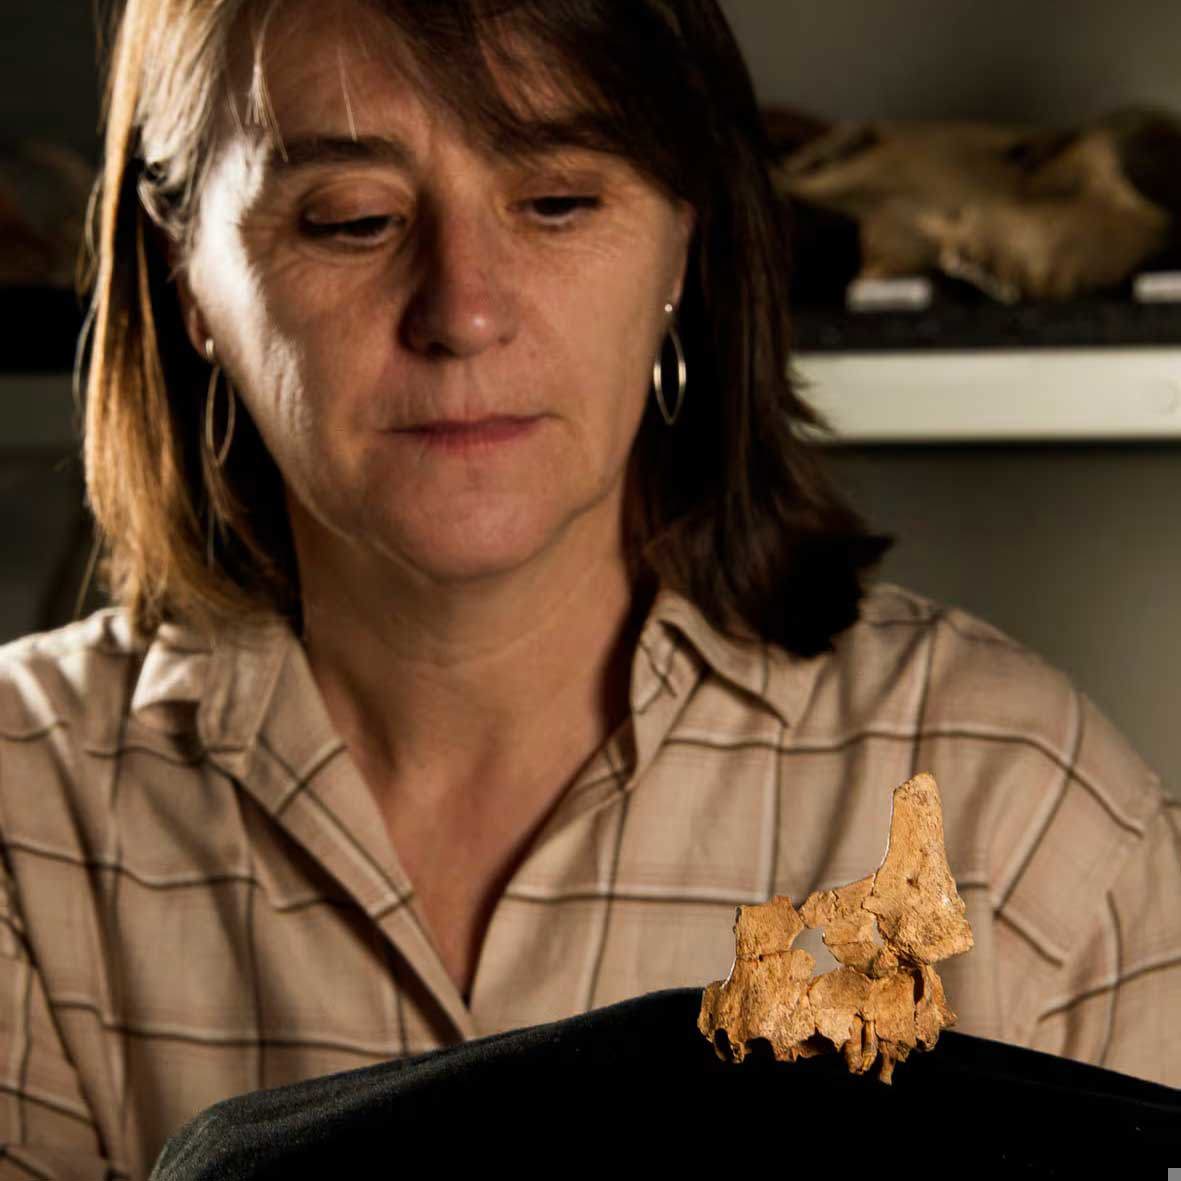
1020 212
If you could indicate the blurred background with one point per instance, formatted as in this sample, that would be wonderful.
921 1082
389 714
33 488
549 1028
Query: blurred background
1027 459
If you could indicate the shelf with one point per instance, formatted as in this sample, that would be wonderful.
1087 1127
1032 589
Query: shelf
957 321
1103 368
995 395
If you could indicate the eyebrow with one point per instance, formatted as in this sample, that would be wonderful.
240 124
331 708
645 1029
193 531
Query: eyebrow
314 150
538 138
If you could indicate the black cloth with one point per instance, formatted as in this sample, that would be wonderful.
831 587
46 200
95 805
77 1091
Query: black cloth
635 1086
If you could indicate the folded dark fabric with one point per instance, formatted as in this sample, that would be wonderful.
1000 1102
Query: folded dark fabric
636 1083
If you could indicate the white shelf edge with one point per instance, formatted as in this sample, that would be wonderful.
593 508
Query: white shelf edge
1118 394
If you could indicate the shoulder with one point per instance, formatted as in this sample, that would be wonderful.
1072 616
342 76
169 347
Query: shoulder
63 706
970 681
956 669
102 684
85 711
892 614
940 666
79 676
1045 800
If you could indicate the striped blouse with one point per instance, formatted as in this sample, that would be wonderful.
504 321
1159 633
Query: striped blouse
200 897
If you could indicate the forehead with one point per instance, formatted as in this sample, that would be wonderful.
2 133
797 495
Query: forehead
314 59
343 67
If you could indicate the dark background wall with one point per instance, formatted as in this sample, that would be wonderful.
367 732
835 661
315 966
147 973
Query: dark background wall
48 82
1072 550
1021 60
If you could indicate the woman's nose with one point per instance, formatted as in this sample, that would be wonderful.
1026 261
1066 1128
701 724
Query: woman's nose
462 302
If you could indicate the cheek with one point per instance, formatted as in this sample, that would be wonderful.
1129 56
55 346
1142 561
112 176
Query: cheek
616 328
633 348
293 360
616 400
282 396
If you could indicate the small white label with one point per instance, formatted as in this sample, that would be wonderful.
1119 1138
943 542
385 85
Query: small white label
882 295
1158 287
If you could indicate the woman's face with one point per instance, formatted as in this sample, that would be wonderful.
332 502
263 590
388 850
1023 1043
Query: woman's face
386 275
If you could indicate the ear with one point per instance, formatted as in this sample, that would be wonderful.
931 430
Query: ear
196 327
686 227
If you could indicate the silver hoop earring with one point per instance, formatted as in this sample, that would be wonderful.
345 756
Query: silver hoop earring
219 456
682 374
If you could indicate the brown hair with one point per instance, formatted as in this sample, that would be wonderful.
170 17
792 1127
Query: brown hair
731 507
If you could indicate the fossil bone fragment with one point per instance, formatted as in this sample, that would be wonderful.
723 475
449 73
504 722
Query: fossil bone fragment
1019 211
886 931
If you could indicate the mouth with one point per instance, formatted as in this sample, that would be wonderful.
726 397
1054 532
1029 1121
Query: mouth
458 426
455 435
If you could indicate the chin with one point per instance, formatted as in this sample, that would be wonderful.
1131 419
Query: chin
476 550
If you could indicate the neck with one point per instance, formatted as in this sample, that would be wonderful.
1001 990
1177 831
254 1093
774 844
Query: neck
448 692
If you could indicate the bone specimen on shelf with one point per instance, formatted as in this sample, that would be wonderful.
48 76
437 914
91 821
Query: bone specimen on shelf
1017 210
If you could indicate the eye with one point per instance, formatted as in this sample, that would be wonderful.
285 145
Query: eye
562 210
358 230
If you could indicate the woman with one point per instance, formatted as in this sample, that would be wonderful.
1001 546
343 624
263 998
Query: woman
466 671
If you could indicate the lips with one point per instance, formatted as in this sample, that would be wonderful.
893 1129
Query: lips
461 426
474 437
